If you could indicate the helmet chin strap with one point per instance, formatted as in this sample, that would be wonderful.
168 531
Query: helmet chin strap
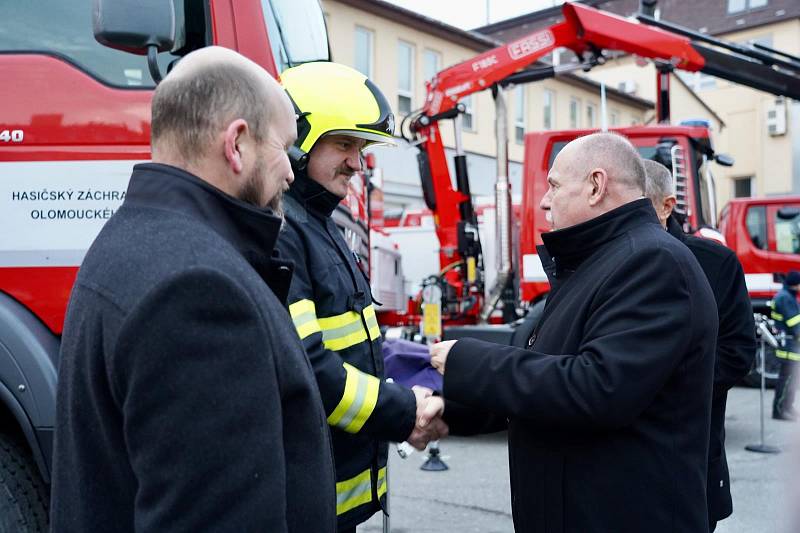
313 195
298 158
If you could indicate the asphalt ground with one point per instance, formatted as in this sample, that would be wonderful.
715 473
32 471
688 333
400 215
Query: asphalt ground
473 495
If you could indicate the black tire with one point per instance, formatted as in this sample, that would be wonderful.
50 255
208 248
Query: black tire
24 497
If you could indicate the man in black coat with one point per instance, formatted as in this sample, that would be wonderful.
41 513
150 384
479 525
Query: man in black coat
736 343
608 408
185 399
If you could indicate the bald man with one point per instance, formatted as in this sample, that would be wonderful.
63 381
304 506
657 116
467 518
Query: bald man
608 407
736 343
185 399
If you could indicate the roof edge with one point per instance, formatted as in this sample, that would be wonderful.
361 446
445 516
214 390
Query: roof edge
381 8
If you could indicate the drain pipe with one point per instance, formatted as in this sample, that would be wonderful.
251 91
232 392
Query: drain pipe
502 202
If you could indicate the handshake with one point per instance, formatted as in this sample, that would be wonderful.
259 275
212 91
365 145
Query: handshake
429 425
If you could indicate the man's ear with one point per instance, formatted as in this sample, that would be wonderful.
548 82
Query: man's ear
669 205
598 181
233 136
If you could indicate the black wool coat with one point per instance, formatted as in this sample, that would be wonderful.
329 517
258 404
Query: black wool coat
736 348
608 409
185 399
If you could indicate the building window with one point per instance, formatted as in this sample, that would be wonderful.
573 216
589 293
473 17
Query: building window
698 81
614 117
704 81
519 115
559 56
737 6
756 222
590 114
574 113
743 187
363 50
547 108
432 63
468 117
405 77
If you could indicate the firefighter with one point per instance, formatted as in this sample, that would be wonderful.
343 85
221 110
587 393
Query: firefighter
340 111
786 314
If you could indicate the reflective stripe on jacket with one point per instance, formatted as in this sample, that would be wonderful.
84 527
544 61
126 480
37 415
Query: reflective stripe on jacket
785 311
332 309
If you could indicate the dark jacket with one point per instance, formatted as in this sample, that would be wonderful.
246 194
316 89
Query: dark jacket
609 407
185 400
736 348
330 303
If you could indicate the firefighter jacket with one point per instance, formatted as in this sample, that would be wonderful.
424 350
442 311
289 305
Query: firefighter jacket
332 309
786 314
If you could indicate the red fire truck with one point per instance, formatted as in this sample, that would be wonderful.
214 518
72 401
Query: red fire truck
765 234
74 118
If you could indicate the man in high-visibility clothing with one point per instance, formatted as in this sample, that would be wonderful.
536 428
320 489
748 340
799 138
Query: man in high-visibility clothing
786 313
340 111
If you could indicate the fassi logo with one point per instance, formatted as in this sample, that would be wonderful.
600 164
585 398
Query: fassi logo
531 44
486 62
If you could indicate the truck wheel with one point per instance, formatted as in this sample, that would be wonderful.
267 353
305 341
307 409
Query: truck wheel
23 494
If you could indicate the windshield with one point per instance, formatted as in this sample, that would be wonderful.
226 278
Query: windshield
787 230
64 29
297 32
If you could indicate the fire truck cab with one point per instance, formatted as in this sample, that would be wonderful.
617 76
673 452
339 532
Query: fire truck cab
765 234
685 150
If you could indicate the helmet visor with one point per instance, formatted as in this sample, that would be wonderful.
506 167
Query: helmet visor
371 138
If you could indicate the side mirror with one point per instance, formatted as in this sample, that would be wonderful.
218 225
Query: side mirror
788 213
724 160
139 27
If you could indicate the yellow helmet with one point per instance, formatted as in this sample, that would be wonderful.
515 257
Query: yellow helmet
331 98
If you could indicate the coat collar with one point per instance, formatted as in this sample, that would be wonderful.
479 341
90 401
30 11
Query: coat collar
674 228
569 247
312 195
252 231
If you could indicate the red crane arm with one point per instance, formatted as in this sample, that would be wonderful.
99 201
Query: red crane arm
584 29
588 32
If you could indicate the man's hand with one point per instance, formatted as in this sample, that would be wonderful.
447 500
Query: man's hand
429 424
439 353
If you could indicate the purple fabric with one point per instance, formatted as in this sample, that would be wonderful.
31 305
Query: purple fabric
409 363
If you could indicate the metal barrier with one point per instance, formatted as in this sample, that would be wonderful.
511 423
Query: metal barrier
765 337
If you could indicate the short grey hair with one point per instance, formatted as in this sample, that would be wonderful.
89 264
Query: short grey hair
616 155
189 110
659 181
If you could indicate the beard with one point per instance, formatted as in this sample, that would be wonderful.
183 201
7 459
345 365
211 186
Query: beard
252 191
276 204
